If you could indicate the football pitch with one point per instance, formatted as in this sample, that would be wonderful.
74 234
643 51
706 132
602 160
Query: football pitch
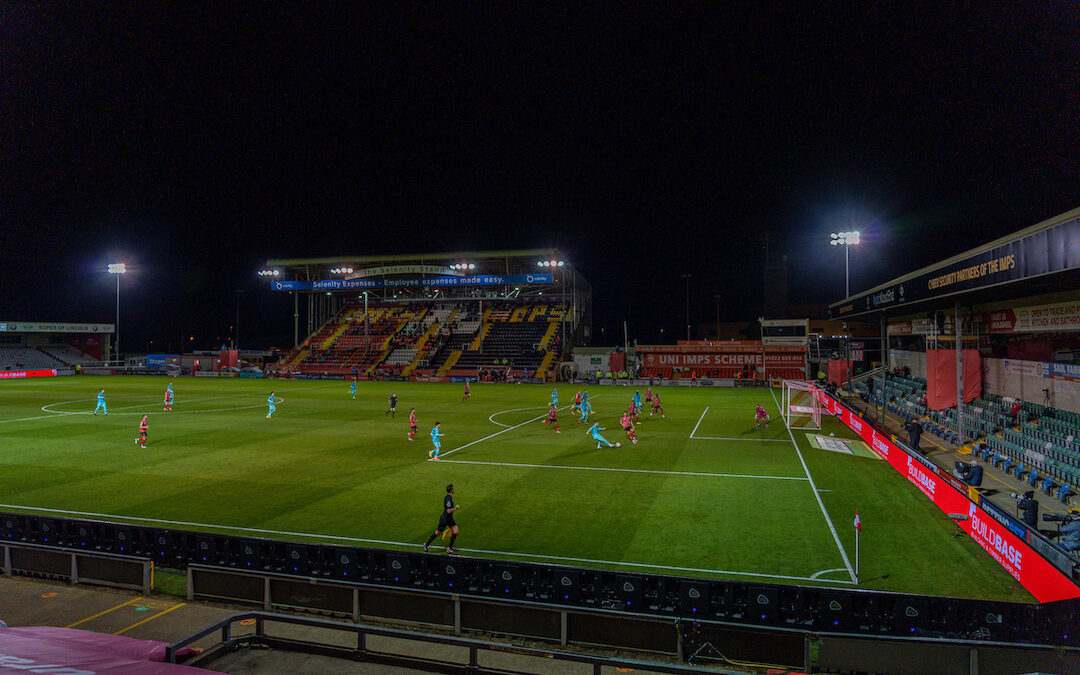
704 493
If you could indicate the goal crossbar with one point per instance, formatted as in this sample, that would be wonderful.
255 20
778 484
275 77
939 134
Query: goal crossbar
799 407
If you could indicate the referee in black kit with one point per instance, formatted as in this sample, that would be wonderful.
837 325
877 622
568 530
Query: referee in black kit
446 521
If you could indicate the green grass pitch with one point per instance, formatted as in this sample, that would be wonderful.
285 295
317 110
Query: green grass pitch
703 494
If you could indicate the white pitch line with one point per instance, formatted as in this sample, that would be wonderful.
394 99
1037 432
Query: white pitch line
699 421
815 575
602 468
612 563
503 431
503 412
817 496
737 438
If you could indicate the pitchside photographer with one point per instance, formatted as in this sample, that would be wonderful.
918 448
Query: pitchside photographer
1068 529
1026 503
969 472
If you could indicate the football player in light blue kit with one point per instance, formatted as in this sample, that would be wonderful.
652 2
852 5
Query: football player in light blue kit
554 398
595 430
273 407
436 434
101 403
586 408
352 389
637 401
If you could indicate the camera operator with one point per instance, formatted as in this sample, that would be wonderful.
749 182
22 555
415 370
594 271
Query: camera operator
969 472
1027 504
1070 534
914 430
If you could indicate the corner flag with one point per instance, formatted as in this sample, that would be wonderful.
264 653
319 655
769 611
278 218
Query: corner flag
858 523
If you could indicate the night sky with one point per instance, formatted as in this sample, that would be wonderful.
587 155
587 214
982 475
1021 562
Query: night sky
645 141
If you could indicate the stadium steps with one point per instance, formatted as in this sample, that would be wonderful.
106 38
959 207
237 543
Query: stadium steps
480 336
547 363
519 314
450 361
335 334
300 356
549 333
421 347
537 311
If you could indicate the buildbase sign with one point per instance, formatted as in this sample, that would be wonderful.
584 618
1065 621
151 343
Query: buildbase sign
1034 572
15 374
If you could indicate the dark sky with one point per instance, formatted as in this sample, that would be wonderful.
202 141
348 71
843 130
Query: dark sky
646 141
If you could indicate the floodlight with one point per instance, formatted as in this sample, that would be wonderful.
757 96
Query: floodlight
560 263
117 268
472 266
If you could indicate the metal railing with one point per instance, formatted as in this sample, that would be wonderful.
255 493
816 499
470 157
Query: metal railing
362 652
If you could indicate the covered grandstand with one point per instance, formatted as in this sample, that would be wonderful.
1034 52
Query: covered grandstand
984 352
487 314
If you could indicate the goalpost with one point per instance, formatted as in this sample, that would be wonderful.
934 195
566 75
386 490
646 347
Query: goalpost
799 407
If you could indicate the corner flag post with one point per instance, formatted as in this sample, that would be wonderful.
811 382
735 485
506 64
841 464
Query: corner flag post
858 528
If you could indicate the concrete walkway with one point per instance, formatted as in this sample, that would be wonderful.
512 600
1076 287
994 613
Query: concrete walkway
34 602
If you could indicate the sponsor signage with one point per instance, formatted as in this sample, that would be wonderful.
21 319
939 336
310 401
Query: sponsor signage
39 327
1054 249
407 282
18 374
387 270
744 347
1034 572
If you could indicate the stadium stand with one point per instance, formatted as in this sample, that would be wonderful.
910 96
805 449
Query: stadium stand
27 358
70 356
1041 447
436 339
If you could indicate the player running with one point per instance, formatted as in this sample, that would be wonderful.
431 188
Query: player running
761 416
594 431
273 407
101 403
657 406
446 521
554 398
412 423
352 388
436 435
144 427
577 398
465 396
392 406
551 419
627 423
637 401
585 409
168 398
648 395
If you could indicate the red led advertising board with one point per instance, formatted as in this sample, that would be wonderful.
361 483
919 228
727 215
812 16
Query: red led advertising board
13 374
1034 572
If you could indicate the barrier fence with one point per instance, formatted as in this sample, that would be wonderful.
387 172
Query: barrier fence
760 605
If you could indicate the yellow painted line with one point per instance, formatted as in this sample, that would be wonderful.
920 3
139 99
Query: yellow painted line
150 618
123 604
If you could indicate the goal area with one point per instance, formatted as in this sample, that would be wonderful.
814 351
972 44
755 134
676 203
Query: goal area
799 407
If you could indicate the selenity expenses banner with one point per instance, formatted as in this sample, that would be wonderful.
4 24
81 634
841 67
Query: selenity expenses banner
408 282
1034 572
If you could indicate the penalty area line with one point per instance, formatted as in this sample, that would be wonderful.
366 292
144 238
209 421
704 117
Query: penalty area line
618 470
308 535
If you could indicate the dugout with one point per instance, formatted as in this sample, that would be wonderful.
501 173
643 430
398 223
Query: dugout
1001 319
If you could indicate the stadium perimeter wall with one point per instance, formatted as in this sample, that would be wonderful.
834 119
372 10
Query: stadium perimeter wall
1034 572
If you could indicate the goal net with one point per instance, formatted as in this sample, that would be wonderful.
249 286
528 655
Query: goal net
800 408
